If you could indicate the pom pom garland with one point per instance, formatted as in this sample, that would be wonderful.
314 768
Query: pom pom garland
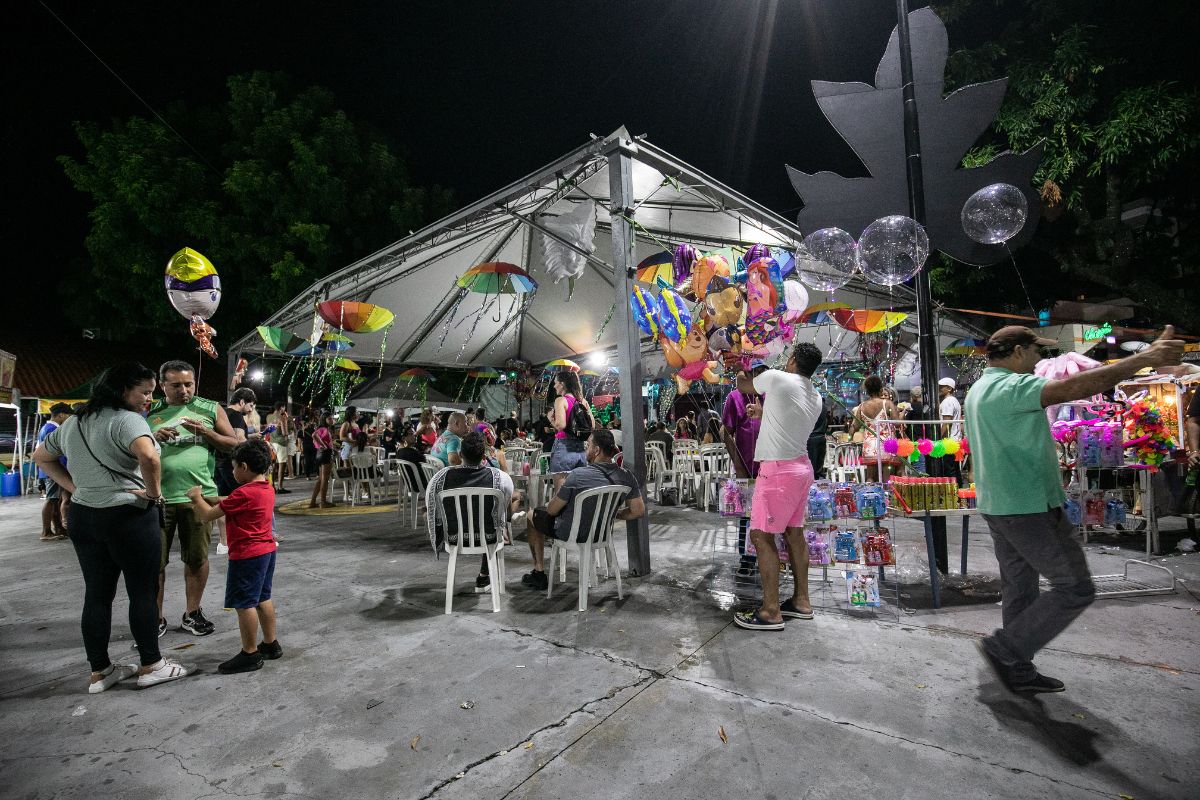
891 446
905 448
951 446
939 449
924 447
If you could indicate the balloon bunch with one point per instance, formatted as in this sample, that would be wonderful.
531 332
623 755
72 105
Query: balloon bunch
747 309
1147 433
194 290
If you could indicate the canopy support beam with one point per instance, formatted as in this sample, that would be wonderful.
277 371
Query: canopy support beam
633 427
603 268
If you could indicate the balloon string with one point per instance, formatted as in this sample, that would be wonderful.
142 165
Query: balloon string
1020 278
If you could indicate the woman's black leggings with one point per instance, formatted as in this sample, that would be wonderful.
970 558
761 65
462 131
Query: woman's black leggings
111 541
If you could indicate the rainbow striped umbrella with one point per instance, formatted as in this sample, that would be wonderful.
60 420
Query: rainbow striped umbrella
654 267
415 374
347 364
819 313
282 340
562 363
484 373
591 373
867 320
335 342
350 315
497 277
966 347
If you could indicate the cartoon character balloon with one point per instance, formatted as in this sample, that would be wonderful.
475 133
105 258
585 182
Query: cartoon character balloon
192 284
704 270
681 262
203 333
795 299
761 293
673 316
645 311
690 358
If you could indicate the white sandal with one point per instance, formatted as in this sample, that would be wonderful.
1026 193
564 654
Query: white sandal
167 671
111 677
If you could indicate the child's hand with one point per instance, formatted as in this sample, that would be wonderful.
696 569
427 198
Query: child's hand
194 494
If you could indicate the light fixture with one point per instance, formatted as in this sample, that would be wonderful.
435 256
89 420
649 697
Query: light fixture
1110 339
598 359
388 413
256 375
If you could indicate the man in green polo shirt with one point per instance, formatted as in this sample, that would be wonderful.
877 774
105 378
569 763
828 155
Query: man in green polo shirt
189 430
1020 494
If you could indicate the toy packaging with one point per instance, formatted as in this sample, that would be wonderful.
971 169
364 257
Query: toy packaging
871 501
845 546
734 500
818 546
877 548
861 588
820 501
844 504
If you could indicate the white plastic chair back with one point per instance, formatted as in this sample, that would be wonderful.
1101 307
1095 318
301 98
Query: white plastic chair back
608 499
413 475
605 501
437 462
471 517
379 453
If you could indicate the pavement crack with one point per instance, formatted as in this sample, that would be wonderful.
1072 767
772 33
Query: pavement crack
624 662
889 735
644 680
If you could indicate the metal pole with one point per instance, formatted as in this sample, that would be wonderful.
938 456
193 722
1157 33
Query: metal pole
927 348
620 181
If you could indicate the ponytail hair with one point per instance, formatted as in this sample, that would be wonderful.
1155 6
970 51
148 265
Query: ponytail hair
109 389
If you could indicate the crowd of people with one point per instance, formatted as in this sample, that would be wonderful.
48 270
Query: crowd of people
129 473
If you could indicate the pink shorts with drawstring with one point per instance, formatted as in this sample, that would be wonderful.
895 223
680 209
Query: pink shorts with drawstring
781 495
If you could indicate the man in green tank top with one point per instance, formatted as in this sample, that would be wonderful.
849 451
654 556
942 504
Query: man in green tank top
189 430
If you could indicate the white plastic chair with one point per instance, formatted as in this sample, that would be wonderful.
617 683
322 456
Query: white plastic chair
471 517
663 475
412 489
685 462
364 471
714 465
849 466
607 501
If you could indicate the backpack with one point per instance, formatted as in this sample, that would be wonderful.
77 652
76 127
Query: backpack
579 421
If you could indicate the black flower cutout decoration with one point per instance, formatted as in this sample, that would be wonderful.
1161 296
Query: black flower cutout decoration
871 120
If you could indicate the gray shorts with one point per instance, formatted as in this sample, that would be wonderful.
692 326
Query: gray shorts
53 490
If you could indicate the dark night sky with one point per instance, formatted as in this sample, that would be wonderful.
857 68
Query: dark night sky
478 93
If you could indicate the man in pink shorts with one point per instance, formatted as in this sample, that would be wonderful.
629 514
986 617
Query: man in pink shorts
791 408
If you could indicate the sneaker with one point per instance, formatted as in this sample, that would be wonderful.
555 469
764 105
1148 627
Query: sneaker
242 662
1038 684
536 580
110 677
270 651
196 624
483 583
162 628
222 549
165 670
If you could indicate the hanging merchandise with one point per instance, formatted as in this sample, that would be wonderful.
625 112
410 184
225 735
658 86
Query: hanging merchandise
682 262
827 260
820 501
690 357
348 315
845 547
861 588
819 554
892 250
645 311
203 333
705 269
578 227
734 497
877 548
995 213
1147 434
763 287
673 316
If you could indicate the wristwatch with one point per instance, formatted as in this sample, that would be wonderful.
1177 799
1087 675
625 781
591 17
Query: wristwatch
158 501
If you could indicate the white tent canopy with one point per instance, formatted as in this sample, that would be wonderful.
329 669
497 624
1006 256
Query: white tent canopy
416 276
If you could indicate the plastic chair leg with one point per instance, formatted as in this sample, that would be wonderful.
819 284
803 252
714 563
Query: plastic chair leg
585 572
612 553
550 570
415 499
494 571
562 567
501 570
450 579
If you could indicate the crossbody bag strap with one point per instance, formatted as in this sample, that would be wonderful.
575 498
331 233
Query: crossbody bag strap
128 476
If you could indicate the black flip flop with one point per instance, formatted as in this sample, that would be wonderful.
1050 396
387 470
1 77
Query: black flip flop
751 621
788 610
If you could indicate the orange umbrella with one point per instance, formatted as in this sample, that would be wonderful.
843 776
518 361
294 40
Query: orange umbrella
819 313
867 320
654 267
349 315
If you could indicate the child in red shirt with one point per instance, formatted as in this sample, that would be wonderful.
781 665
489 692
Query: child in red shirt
248 511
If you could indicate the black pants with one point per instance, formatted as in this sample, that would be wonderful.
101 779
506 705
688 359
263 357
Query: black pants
110 542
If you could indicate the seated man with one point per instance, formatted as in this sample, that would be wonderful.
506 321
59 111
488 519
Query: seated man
471 473
600 471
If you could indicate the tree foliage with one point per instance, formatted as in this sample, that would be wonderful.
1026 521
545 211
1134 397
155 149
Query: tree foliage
1111 90
280 189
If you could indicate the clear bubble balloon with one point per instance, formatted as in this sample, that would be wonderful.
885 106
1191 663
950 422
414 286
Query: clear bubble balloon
892 250
827 259
995 213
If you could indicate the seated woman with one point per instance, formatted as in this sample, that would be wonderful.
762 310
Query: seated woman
867 419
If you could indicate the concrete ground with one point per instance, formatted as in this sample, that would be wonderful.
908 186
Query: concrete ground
657 695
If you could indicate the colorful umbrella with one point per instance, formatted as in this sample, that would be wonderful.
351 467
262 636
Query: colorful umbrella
590 373
819 313
654 267
415 374
345 363
282 339
484 373
867 320
349 315
335 343
497 277
563 363
967 347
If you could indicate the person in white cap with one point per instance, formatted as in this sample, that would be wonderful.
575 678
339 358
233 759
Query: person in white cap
949 408
1020 495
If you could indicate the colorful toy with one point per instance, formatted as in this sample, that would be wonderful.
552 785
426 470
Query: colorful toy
645 311
818 547
674 319
723 303
877 548
871 500
861 589
761 294
704 270
1147 434
690 358
820 501
904 447
194 290
845 547
844 503
683 261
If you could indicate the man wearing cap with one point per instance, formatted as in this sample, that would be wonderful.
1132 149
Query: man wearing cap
53 518
949 409
1020 494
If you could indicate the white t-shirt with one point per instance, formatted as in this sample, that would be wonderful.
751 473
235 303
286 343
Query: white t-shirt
950 407
791 408
618 436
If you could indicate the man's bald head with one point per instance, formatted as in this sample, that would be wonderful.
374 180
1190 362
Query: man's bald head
457 424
